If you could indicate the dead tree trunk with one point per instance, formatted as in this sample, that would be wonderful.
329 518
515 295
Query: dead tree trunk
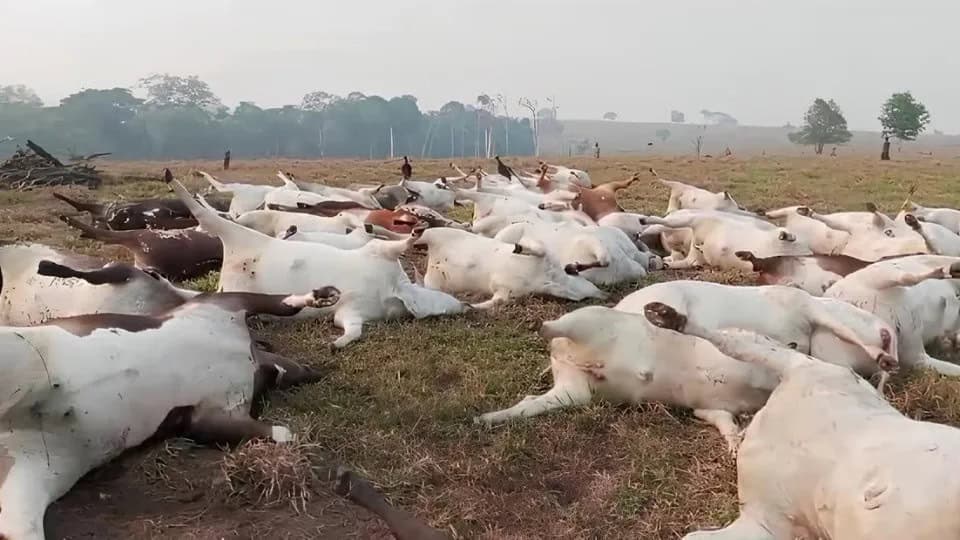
885 153
226 160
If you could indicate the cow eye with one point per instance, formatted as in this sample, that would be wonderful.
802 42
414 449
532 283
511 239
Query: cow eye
888 232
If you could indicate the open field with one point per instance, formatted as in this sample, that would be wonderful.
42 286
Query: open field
398 405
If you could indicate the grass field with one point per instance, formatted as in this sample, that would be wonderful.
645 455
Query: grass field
398 405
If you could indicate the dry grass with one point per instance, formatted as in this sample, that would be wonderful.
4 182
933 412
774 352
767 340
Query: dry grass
398 405
270 475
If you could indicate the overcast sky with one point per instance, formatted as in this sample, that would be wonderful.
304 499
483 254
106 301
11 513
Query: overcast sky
763 61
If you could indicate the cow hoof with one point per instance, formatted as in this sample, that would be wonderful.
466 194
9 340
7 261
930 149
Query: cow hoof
911 220
954 270
281 434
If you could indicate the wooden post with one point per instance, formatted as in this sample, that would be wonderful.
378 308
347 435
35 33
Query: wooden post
885 153
226 160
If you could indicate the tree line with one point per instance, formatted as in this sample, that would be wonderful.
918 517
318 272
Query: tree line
181 118
903 117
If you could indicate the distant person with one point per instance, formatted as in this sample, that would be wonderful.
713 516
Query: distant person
833 153
596 149
406 169
226 160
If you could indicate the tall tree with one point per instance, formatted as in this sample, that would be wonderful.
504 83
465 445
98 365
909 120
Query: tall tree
165 90
19 94
317 101
822 124
902 117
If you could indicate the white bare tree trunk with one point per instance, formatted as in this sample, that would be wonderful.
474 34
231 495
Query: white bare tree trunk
391 142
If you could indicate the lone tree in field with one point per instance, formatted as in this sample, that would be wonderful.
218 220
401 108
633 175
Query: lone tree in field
823 124
610 116
902 117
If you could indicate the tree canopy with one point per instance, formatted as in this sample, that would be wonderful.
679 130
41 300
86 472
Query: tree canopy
610 116
181 117
904 117
822 124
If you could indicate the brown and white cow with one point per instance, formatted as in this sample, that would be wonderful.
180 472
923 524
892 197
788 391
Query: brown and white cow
177 255
40 283
79 391
145 214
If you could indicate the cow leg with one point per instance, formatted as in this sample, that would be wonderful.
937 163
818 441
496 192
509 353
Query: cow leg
571 387
904 279
692 260
744 528
404 525
725 424
279 372
940 366
498 297
28 484
352 325
216 426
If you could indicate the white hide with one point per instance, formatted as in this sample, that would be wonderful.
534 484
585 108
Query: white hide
246 197
616 256
71 403
717 239
687 197
462 262
829 458
628 222
353 240
939 239
946 217
373 286
564 177
826 328
868 236
918 295
309 194
623 358
276 222
434 195
27 298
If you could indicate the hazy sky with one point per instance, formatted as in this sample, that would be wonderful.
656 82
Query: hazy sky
762 61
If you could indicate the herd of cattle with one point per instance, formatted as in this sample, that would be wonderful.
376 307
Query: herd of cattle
101 356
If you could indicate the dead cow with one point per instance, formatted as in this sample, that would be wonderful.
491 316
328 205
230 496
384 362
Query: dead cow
621 357
829 457
918 295
144 214
374 285
40 283
825 328
79 391
463 262
177 255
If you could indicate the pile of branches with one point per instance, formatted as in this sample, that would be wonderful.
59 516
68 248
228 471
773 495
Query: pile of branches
34 167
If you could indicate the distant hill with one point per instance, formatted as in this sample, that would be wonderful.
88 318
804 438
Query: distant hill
621 137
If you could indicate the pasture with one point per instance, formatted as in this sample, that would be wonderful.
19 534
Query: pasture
398 405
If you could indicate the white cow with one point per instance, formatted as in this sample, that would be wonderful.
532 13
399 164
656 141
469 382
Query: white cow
373 284
938 239
246 197
918 295
36 286
277 222
829 457
687 197
716 238
77 392
825 328
946 217
462 262
603 255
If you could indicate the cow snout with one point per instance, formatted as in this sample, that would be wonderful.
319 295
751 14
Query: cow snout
542 206
886 362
